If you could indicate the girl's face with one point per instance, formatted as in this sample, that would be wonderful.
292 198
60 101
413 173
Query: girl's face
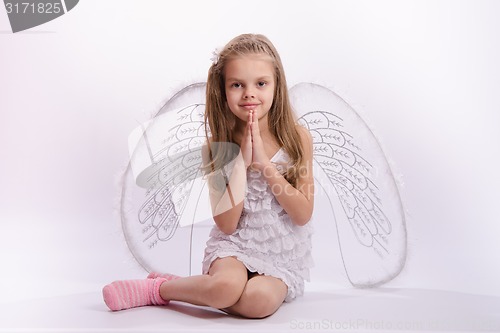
249 84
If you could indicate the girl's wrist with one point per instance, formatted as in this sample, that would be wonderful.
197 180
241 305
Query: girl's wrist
269 170
261 166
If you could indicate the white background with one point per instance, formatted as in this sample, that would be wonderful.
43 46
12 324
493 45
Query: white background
424 75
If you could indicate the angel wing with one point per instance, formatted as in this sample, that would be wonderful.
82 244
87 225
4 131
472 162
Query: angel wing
353 171
163 183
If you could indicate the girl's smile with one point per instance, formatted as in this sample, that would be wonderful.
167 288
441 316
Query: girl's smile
249 106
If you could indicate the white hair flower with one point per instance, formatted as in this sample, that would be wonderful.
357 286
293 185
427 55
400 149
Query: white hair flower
215 56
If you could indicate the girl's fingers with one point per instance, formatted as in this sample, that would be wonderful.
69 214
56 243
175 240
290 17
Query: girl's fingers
255 127
250 122
255 124
259 157
246 144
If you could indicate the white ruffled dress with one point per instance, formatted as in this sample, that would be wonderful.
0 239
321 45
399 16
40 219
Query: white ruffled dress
266 240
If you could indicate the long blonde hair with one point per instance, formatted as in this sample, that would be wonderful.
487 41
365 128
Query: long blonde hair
220 121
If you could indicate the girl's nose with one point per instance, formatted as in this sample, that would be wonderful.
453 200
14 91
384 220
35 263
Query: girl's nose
249 94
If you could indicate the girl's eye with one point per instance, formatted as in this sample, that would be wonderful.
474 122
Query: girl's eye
262 84
236 85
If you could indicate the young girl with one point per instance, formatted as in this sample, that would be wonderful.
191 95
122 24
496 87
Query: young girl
259 251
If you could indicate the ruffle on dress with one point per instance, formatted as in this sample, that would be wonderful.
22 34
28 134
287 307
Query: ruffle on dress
266 241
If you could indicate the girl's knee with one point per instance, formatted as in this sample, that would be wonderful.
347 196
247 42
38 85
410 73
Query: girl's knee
261 303
225 291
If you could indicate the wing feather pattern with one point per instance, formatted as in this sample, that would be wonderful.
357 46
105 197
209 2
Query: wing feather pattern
163 182
365 203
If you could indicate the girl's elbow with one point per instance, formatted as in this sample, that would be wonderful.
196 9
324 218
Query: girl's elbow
304 216
228 231
303 219
302 222
225 227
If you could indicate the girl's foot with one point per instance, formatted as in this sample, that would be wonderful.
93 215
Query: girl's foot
126 294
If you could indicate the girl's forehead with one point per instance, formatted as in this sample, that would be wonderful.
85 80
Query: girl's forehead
250 57
250 63
255 56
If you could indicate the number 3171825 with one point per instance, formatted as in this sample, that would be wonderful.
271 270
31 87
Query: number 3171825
33 8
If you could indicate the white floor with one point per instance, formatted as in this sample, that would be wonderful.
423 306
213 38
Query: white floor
51 282
380 310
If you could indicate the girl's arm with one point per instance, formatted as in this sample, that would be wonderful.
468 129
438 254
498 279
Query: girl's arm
228 192
297 202
226 196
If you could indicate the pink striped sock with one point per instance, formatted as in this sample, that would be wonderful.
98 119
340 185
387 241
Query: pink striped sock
126 294
167 276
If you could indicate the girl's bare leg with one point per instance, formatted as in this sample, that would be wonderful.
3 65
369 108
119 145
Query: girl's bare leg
262 296
221 288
